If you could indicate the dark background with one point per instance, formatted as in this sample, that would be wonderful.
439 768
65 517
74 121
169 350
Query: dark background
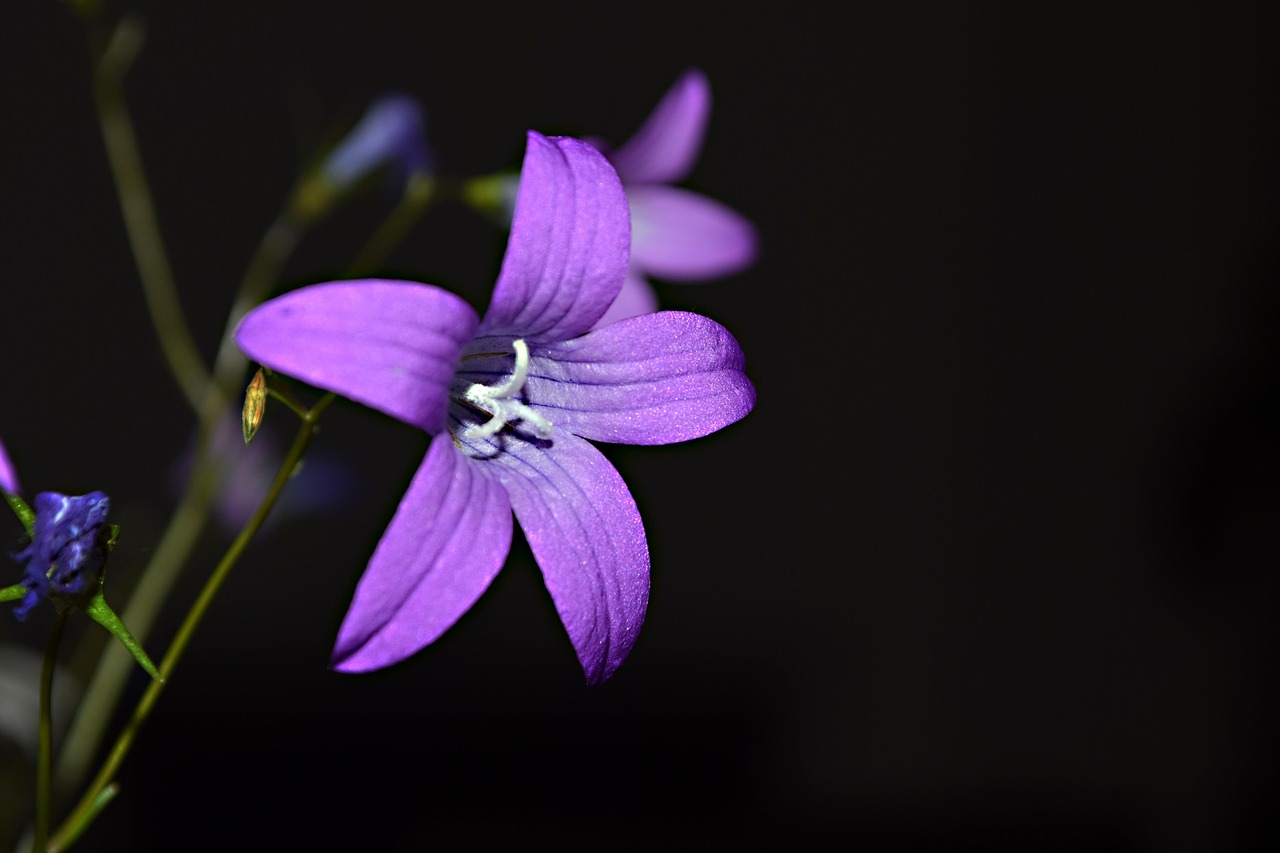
986 567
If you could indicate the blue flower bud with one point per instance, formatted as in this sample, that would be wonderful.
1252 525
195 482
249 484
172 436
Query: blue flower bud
66 553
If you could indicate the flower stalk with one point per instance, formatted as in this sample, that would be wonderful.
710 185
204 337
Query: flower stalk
44 738
91 802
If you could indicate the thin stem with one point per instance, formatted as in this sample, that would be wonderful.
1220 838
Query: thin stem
114 665
182 533
419 192
275 248
138 211
191 516
44 754
208 392
85 810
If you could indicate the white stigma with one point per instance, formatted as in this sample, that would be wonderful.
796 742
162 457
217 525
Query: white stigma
501 403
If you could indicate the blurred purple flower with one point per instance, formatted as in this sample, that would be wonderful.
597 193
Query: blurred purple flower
676 235
244 475
509 400
8 476
391 133
66 540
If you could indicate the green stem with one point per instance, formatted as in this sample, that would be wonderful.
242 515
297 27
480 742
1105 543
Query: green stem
138 210
179 539
419 192
114 665
191 516
44 754
87 808
208 392
275 248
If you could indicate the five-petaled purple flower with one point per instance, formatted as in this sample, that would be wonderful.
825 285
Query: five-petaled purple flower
8 476
677 235
65 539
509 400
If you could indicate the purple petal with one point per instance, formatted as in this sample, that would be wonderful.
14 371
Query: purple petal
654 379
665 147
586 534
567 254
8 476
445 544
636 297
683 236
390 132
391 345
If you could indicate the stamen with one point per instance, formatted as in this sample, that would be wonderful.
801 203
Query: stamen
501 403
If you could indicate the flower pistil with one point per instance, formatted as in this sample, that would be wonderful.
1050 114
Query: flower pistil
501 401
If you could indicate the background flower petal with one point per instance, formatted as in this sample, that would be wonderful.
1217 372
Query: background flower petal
680 235
665 147
8 476
653 379
567 253
445 544
586 534
391 345
636 297
391 132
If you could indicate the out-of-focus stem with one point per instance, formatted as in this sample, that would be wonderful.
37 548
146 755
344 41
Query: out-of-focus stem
114 665
44 749
419 192
138 211
277 244
88 806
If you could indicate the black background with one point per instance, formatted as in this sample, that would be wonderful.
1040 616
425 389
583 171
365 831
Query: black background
986 567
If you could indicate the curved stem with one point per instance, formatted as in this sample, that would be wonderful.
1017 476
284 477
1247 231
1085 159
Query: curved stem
143 607
209 392
44 754
277 244
85 810
212 404
419 193
138 211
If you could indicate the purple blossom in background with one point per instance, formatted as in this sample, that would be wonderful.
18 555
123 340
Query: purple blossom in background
8 476
65 539
391 133
509 400
676 235
245 473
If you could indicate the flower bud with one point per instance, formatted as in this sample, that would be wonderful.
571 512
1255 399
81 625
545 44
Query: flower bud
69 546
390 135
255 406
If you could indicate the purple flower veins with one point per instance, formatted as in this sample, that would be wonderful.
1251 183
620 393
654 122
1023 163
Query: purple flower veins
66 540
512 402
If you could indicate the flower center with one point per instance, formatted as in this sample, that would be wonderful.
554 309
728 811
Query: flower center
502 404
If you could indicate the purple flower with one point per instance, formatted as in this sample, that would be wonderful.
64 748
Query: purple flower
677 235
389 134
66 540
509 400
8 476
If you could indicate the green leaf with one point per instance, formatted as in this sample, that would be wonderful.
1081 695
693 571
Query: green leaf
101 612
13 593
